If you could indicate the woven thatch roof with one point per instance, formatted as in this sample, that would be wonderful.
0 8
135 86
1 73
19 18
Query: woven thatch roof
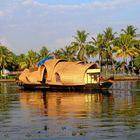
50 66
71 73
28 77
59 72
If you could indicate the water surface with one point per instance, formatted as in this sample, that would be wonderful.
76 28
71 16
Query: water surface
37 115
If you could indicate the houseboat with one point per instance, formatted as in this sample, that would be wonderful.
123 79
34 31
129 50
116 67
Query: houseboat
58 74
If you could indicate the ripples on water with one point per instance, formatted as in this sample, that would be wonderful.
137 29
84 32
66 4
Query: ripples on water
70 115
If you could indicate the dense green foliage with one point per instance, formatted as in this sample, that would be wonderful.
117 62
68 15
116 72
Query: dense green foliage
112 51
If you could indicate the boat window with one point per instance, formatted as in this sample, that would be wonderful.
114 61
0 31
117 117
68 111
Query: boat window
95 77
44 76
58 79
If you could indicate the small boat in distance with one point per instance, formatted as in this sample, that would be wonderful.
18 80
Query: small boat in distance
58 74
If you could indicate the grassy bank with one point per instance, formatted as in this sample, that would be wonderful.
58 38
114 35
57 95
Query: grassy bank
7 80
126 77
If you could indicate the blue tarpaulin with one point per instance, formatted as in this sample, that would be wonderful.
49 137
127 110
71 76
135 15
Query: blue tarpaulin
41 62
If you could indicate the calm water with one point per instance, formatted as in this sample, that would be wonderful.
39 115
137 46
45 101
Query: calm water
36 115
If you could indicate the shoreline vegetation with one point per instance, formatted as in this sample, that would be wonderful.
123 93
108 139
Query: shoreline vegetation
116 54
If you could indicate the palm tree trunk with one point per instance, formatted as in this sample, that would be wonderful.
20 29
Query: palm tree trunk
113 67
125 64
132 65
100 62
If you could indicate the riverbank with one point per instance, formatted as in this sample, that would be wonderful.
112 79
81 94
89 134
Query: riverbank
7 80
122 78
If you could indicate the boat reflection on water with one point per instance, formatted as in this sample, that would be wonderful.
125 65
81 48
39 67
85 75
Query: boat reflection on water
64 103
80 104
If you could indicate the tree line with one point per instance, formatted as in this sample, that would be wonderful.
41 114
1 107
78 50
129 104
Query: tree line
113 52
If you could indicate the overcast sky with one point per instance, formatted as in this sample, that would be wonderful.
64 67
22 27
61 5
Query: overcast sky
31 24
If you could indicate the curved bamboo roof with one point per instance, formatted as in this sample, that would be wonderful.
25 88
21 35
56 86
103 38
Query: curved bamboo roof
29 77
50 66
71 73
59 72
24 75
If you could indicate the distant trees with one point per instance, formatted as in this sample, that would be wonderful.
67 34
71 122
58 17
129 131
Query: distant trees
125 47
44 52
109 48
104 44
6 58
22 61
137 62
28 60
31 59
67 53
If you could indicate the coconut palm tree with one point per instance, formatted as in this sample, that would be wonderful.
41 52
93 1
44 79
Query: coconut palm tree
125 47
28 60
3 60
109 37
13 62
67 53
5 57
130 30
57 54
21 60
137 62
44 52
91 51
99 46
81 45
32 58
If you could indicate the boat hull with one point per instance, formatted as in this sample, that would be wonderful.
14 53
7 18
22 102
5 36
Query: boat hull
96 86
